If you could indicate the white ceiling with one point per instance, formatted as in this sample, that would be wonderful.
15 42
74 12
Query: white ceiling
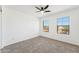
30 9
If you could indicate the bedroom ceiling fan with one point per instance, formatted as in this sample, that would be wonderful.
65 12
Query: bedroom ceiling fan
43 9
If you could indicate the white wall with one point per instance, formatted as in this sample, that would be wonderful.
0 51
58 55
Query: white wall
74 26
0 29
18 26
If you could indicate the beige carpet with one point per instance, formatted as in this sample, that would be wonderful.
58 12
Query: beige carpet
41 45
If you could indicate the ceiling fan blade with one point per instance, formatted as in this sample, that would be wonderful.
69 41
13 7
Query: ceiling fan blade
38 8
46 7
38 11
47 11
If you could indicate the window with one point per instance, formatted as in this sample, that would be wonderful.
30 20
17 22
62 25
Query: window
63 24
45 26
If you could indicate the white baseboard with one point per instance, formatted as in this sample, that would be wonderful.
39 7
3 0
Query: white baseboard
67 41
26 38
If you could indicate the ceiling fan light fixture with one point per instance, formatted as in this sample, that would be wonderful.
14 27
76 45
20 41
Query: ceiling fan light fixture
42 12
